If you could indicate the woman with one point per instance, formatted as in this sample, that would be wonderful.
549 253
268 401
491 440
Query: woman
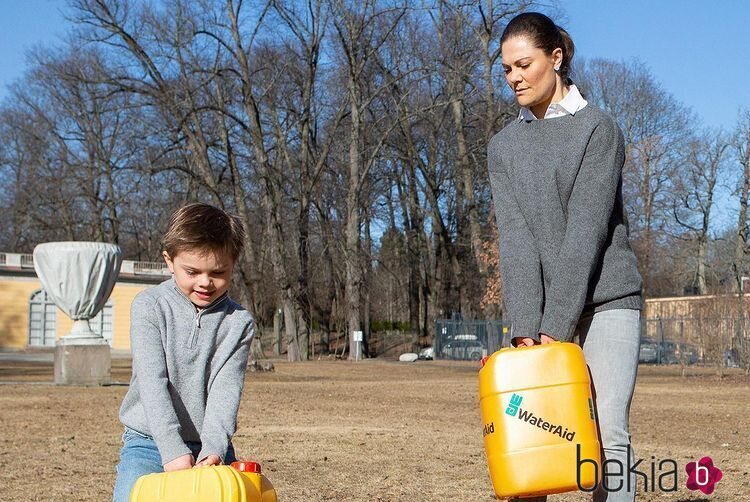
568 268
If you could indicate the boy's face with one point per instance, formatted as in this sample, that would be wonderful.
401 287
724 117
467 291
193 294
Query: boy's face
202 277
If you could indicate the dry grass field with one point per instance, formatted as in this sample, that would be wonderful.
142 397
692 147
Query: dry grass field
370 431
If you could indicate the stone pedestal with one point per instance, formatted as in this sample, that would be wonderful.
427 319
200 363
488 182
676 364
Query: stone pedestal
83 364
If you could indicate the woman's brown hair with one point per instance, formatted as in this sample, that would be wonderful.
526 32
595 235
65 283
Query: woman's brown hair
545 35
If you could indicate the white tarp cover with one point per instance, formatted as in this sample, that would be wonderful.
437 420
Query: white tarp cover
78 276
409 357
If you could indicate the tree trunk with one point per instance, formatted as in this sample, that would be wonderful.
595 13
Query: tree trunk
353 259
467 179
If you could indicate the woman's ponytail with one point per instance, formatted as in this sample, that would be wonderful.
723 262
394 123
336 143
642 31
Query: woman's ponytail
568 49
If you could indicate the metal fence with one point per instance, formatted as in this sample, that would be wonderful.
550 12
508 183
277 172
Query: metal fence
468 340
710 341
716 341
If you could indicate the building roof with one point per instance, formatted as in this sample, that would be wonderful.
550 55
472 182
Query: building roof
130 271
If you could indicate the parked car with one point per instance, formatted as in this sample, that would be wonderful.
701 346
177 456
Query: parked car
667 353
427 353
685 353
472 350
649 353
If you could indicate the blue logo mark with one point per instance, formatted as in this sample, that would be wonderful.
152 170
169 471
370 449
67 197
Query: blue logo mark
515 402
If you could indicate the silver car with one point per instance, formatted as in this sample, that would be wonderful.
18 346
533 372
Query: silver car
471 350
648 353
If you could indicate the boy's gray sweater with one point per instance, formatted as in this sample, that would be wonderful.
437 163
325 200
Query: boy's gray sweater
557 190
188 370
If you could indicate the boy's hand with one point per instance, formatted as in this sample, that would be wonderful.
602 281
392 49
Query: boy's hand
209 460
182 462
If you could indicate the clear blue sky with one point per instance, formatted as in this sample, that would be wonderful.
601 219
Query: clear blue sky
24 24
698 50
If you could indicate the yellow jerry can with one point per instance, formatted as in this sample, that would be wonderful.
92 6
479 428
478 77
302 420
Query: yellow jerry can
539 423
240 482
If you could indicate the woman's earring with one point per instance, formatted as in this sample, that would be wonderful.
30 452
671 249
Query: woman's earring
557 68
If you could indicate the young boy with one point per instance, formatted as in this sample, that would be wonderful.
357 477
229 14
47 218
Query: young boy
190 345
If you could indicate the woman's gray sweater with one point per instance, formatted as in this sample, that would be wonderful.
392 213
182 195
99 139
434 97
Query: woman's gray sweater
557 190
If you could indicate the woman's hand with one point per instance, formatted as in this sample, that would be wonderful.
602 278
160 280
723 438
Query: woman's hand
209 460
528 342
182 462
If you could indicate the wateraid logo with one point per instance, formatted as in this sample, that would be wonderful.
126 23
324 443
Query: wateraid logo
514 410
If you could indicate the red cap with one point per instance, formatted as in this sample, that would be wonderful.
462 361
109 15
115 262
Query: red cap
247 466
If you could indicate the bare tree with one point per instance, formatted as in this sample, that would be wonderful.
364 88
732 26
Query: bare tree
362 29
468 35
458 57
694 198
741 242
656 130
114 24
21 153
158 58
742 146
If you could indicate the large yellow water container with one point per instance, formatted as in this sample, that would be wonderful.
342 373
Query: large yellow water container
240 482
539 423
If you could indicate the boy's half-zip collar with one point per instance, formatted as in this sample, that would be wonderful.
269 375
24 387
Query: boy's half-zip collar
198 312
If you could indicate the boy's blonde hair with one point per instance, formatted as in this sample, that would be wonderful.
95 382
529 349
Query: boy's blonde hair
204 228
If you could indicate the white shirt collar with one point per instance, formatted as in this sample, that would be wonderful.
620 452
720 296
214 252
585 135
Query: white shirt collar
569 105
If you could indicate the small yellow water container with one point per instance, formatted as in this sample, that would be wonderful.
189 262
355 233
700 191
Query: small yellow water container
240 482
539 423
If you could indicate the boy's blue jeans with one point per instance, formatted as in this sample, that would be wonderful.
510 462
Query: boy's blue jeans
139 456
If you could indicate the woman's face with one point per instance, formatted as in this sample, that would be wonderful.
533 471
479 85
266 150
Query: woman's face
531 73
